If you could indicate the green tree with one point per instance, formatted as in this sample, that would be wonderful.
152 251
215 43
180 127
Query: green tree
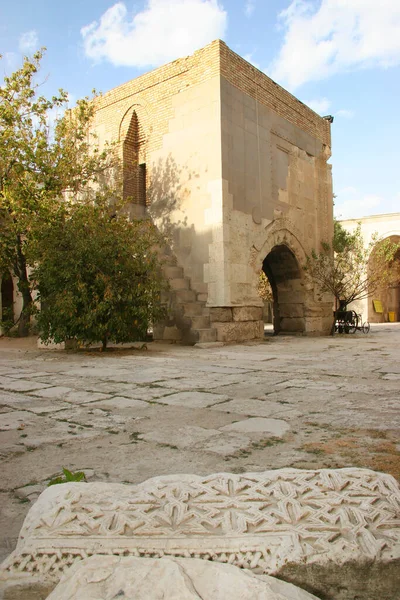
264 287
37 164
97 276
349 269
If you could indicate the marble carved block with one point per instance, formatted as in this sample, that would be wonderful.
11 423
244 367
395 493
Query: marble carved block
332 532
128 578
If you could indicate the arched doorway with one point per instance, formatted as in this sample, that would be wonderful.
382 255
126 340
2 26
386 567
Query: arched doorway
133 140
285 277
7 298
388 296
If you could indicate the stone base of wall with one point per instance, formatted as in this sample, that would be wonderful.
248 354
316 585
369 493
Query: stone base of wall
318 321
237 323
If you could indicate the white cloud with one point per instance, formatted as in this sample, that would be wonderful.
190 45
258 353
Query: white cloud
28 42
163 31
10 63
249 7
319 105
345 113
352 205
332 36
249 58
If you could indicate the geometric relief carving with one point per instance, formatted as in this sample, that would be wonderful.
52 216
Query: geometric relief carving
259 521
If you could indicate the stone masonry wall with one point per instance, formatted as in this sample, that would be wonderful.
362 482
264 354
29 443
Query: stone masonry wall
232 152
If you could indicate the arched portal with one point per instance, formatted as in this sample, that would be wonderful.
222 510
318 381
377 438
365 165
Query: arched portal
7 298
388 296
133 162
285 277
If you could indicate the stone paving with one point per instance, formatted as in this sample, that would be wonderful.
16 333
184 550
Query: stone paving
128 415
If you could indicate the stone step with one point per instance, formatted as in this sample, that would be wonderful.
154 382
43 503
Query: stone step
192 309
200 322
179 284
172 272
205 335
185 295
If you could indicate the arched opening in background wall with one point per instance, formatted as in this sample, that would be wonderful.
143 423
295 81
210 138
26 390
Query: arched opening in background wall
7 297
389 297
284 275
134 163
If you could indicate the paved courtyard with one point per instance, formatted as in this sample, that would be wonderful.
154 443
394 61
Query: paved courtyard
125 416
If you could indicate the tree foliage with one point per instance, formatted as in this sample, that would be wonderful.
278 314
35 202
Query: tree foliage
264 287
97 276
38 162
351 270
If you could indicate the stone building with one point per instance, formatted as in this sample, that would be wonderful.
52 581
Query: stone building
385 227
235 168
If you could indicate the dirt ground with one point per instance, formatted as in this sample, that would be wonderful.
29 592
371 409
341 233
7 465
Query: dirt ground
127 415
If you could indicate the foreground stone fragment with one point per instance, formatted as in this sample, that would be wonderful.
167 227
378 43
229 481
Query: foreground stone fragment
109 577
335 533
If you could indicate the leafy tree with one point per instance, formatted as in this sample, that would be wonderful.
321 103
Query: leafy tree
264 287
97 275
350 270
38 163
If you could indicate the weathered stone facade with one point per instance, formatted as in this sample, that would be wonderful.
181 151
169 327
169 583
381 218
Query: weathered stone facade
236 168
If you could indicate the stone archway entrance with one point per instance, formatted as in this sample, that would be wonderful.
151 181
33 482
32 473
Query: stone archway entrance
388 296
284 274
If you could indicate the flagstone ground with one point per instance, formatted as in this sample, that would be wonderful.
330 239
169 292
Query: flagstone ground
128 415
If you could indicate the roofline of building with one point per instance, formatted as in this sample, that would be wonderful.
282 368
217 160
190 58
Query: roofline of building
357 219
103 98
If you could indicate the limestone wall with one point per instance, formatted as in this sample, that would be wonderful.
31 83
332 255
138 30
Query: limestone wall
275 171
228 154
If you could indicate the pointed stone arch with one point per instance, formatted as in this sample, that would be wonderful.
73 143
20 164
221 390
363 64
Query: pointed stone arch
388 295
296 305
133 140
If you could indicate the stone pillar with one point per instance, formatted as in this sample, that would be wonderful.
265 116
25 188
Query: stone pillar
238 323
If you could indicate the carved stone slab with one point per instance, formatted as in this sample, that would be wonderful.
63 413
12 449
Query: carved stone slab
109 577
323 530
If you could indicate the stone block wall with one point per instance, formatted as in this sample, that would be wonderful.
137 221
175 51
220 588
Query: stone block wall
228 154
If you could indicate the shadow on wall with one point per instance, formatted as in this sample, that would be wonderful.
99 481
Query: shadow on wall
167 191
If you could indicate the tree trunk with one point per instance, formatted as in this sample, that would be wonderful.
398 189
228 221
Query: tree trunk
24 288
104 343
332 331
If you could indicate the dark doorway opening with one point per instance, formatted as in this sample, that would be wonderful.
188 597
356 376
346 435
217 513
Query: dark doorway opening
285 277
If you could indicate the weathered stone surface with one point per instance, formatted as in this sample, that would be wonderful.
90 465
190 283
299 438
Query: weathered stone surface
239 331
274 427
208 345
247 313
121 402
106 577
222 315
335 532
15 420
182 437
193 399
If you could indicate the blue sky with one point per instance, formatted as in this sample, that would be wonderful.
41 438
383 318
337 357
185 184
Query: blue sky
342 57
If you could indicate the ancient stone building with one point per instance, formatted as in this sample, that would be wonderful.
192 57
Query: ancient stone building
235 168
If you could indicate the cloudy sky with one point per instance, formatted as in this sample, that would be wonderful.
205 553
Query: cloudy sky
341 57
